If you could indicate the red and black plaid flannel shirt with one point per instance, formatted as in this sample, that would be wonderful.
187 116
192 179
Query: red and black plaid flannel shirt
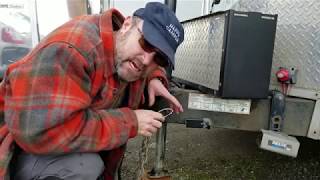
63 96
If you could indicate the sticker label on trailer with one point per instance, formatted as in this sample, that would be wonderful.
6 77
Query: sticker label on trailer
12 4
209 103
279 145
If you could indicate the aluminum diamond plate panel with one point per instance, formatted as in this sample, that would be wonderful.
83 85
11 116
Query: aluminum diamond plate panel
198 59
297 43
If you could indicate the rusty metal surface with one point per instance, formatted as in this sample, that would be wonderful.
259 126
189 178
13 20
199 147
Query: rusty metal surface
149 177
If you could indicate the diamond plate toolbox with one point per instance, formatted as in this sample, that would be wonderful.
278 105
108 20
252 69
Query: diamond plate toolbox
198 59
229 52
297 43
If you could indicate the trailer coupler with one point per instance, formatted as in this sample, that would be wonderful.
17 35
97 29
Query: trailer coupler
277 111
199 123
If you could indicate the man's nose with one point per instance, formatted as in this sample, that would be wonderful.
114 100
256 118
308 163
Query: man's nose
148 58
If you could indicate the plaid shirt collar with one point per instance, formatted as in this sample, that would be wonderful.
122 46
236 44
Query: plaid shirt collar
107 26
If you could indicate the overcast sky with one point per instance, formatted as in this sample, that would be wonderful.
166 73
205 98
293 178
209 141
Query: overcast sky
49 19
186 9
52 14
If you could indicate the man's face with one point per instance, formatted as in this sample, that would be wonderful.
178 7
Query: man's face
133 60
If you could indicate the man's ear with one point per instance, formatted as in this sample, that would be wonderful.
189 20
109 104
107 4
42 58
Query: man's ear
127 23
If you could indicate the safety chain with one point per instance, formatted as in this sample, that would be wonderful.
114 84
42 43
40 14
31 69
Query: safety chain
144 152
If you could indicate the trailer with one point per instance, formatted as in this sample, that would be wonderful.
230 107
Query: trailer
253 66
223 77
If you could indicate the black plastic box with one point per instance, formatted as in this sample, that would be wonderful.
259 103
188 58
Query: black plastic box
247 58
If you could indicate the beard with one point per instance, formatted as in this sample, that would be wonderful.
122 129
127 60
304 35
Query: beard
124 74
122 61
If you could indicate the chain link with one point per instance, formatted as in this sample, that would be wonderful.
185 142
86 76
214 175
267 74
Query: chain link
144 151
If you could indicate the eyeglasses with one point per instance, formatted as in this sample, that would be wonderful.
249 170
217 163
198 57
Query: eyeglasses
159 57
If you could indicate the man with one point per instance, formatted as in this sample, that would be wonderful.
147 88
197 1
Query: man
69 107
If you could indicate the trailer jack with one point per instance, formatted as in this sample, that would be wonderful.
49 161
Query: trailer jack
158 172
151 177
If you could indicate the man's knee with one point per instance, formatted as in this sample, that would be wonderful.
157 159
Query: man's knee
92 165
51 178
75 166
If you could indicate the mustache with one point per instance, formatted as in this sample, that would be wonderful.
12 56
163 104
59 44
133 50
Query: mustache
136 62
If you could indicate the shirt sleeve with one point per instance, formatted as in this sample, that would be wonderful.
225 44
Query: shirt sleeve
160 74
48 106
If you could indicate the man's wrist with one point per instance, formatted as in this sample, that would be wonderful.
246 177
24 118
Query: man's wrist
160 79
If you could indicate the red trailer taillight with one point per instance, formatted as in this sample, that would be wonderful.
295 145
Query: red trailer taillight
8 35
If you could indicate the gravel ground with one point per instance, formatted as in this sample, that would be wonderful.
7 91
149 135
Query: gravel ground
201 154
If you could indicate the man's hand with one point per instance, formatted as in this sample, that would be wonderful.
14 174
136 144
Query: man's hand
156 88
148 121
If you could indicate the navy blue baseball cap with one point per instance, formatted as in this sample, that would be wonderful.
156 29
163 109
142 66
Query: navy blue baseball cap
161 28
